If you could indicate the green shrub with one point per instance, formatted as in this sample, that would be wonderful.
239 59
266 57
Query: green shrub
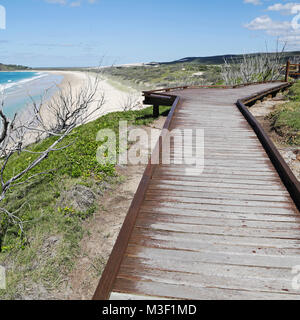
285 120
294 92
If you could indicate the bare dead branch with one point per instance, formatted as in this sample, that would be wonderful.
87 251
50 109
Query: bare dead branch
131 101
254 68
68 108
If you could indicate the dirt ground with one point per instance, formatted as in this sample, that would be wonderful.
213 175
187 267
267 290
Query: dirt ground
291 154
104 228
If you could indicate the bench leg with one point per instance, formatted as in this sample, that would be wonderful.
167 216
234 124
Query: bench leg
155 111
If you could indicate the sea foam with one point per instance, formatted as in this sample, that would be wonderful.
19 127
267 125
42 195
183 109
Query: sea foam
10 83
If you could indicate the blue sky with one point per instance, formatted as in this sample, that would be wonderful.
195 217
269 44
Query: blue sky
80 32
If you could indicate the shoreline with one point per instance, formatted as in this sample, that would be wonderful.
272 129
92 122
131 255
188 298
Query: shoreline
12 83
114 98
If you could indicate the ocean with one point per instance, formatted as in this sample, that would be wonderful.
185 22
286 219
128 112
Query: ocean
17 89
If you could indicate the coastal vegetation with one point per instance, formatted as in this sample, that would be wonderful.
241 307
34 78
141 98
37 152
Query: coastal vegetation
285 119
165 75
216 70
12 67
48 246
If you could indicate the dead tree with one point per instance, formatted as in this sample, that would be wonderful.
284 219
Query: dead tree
68 109
253 68
131 101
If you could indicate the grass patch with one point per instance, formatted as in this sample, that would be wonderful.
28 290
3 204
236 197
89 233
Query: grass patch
285 120
293 94
53 234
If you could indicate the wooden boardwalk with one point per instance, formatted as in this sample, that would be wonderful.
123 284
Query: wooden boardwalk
232 232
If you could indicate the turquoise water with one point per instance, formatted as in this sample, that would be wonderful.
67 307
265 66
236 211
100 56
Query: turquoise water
9 78
18 89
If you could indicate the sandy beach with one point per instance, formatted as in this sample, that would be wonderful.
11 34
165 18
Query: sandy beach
114 99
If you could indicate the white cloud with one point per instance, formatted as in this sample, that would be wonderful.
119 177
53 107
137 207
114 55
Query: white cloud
63 2
70 3
288 8
265 23
75 4
255 2
285 31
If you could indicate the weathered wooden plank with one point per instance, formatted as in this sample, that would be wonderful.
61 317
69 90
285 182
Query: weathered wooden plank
220 195
253 191
138 273
210 171
221 162
222 158
208 167
116 296
215 154
220 208
190 292
218 214
179 241
231 202
221 184
178 174
210 269
188 228
241 223
214 179
232 258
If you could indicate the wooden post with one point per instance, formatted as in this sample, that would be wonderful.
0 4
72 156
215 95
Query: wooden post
287 71
160 159
155 111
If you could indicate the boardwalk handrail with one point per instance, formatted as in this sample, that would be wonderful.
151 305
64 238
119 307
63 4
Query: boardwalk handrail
290 72
111 270
149 92
287 176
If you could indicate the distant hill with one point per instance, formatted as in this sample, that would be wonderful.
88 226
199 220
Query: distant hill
12 67
220 59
